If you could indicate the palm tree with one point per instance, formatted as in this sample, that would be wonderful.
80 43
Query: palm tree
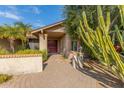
11 33
25 29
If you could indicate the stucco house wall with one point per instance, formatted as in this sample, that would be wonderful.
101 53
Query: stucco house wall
67 44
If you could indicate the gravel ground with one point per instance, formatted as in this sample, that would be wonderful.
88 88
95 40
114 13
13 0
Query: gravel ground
58 73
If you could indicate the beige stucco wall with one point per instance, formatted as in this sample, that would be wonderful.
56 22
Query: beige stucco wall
20 65
42 41
56 28
34 45
66 44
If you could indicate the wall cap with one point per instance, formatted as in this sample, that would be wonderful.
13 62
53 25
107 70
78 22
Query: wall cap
19 55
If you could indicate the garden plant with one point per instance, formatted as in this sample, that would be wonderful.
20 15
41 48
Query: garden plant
99 41
4 78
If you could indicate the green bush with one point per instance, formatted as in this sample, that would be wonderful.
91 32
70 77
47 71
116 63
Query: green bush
20 47
45 55
3 51
29 51
4 78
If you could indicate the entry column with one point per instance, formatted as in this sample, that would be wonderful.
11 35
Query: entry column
42 41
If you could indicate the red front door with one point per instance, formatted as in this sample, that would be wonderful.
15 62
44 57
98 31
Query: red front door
52 46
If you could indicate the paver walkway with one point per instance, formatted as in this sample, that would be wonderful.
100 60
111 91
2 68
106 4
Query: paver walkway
58 73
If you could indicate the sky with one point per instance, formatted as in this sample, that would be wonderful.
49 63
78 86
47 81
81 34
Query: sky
37 16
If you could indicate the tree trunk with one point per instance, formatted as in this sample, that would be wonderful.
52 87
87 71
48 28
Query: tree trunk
23 44
12 45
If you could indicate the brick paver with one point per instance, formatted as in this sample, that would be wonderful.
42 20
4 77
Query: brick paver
58 73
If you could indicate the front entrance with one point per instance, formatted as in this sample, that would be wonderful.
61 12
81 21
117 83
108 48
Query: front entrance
52 46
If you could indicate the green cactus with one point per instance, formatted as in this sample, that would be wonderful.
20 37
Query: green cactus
119 37
120 34
121 8
101 43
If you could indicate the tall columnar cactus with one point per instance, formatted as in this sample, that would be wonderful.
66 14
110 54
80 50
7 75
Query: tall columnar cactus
119 33
100 42
121 8
120 37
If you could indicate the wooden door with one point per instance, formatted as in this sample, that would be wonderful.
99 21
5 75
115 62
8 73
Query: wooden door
52 46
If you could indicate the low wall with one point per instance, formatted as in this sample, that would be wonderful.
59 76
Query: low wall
20 64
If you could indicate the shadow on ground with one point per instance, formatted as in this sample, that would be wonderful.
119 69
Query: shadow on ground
104 78
44 65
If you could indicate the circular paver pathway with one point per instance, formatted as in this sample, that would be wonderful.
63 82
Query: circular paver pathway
58 73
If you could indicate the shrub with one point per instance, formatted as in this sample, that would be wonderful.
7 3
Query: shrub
20 47
45 55
29 51
3 51
4 78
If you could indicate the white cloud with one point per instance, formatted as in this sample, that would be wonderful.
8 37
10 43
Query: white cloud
31 9
9 15
35 10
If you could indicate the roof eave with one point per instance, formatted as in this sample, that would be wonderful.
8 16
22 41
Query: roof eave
45 27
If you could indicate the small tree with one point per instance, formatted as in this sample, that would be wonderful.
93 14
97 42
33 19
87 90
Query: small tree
24 29
11 33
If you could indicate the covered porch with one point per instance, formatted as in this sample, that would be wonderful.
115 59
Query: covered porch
52 42
53 39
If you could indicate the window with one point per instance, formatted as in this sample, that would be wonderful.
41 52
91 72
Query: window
33 40
74 45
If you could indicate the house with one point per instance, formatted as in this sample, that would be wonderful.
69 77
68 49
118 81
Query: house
53 38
